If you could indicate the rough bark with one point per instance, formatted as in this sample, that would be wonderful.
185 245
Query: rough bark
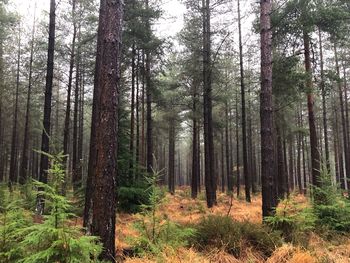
266 111
45 138
104 166
315 154
210 178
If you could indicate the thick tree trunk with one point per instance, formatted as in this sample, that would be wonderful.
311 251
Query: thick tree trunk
210 178
266 112
104 158
315 154
23 174
45 138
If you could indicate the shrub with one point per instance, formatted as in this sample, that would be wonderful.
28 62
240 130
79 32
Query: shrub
224 233
293 220
13 218
55 240
156 232
331 207
130 199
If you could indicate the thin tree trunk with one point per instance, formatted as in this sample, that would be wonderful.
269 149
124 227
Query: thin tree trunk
246 172
228 146
24 165
171 169
343 120
132 117
66 133
14 150
195 146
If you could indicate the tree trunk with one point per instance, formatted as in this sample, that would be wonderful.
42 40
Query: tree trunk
266 112
24 165
228 156
343 120
14 150
104 159
210 178
324 107
66 141
171 169
238 164
195 147
246 172
132 117
45 138
315 155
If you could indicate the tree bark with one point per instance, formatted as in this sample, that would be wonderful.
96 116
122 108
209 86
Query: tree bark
104 158
315 154
14 150
24 165
66 132
210 178
266 112
45 138
246 172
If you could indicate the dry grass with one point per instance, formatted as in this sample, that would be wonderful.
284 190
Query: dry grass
182 209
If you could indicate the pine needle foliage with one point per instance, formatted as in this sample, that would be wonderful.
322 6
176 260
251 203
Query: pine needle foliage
56 240
332 208
157 232
13 218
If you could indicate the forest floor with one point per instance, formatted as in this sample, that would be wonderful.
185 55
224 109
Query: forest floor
181 209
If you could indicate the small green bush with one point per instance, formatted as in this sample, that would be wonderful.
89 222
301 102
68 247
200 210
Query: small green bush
223 232
293 220
130 199
13 218
331 207
157 232
55 240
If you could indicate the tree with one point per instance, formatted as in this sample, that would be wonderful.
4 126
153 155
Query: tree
266 111
103 160
210 178
45 138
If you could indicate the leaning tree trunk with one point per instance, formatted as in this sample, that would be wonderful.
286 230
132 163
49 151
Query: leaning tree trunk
266 112
104 158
